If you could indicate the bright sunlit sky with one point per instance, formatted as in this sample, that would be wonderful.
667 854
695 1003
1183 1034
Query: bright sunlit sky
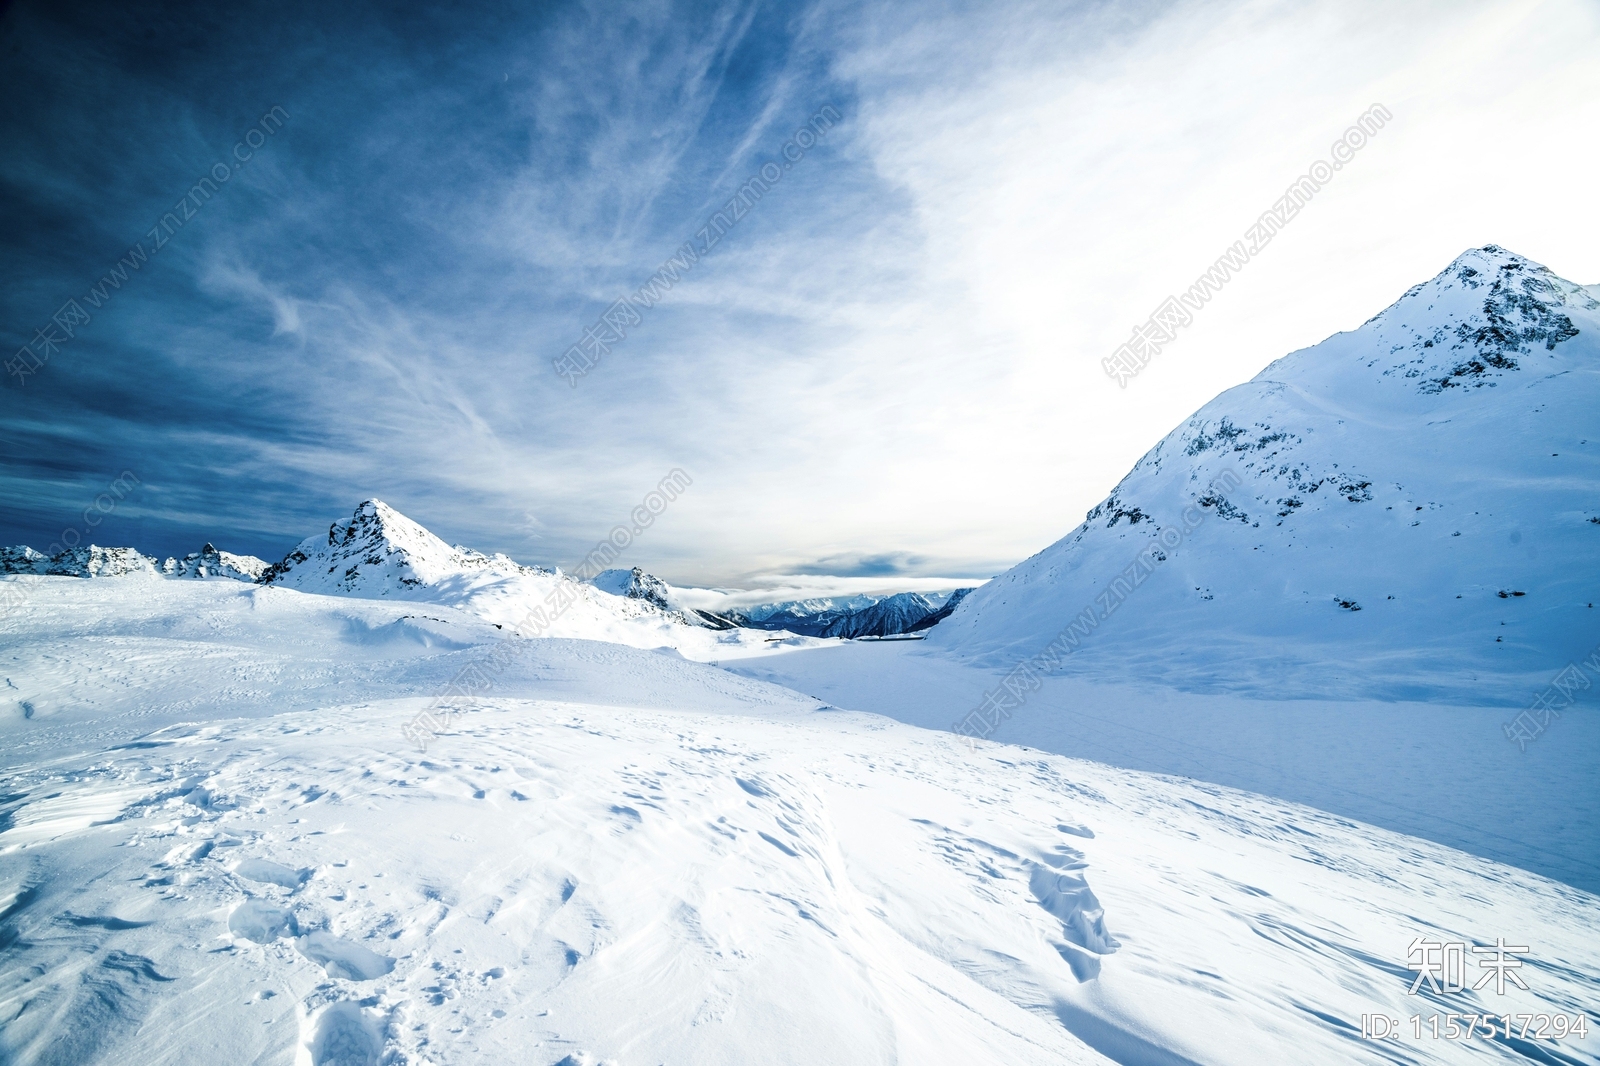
889 368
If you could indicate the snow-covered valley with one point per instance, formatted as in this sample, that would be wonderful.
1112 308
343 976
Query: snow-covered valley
218 846
1441 770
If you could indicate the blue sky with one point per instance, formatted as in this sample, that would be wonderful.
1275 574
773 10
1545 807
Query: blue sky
889 366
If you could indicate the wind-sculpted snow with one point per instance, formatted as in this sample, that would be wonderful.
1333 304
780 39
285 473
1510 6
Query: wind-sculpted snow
217 847
1392 482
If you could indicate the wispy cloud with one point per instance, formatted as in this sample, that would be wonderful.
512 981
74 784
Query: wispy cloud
891 367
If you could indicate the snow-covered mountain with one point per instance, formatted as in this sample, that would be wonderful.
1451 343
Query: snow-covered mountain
380 552
635 584
890 615
209 562
814 617
951 602
814 611
221 841
92 560
1407 510
855 615
89 560
862 615
22 559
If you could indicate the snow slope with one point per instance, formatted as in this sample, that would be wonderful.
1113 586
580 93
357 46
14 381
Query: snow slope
1440 770
1410 510
217 847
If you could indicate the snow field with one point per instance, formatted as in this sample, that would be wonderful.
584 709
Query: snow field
216 845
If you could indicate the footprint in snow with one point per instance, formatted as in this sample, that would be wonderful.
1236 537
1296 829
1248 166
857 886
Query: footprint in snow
342 958
262 922
343 1034
271 873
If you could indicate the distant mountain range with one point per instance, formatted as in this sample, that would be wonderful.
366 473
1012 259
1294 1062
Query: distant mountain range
902 612
91 560
850 617
380 553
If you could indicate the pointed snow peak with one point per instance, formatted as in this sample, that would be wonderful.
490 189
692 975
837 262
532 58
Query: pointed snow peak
210 562
375 522
635 584
1492 280
1491 314
1490 256
375 510
378 552
374 518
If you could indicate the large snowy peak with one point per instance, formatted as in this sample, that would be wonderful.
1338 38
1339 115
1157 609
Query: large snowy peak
378 552
1490 318
1407 510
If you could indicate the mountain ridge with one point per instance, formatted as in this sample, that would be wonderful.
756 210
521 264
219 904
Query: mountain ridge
1411 497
